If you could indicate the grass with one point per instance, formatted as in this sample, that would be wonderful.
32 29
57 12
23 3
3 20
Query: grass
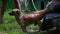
10 26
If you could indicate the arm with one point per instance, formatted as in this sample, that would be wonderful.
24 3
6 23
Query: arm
17 4
38 14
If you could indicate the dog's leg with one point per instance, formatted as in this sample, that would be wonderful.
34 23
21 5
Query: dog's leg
39 24
23 28
21 22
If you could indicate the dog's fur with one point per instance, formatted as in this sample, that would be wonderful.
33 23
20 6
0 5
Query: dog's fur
27 19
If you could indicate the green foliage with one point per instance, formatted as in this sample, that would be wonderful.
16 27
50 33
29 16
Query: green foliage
10 26
10 4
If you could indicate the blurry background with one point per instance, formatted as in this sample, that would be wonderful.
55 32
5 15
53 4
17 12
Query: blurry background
10 26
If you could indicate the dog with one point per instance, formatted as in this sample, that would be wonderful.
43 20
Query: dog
26 19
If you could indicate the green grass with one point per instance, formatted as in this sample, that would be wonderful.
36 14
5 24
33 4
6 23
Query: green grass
10 26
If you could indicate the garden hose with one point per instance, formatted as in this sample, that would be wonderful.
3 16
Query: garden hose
34 5
26 4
